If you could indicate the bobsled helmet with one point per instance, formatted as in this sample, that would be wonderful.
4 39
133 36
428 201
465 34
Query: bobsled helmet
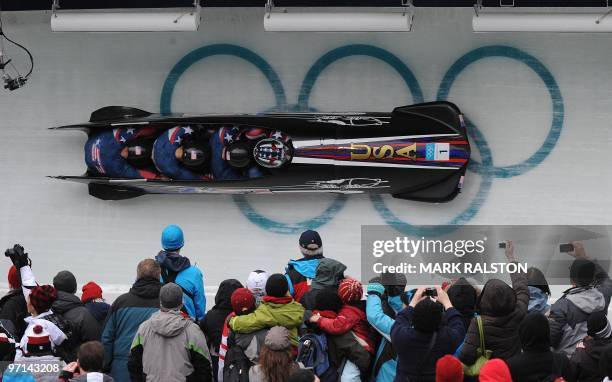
139 153
196 155
239 155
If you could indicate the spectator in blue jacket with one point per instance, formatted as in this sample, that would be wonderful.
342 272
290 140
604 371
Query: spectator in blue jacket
382 305
125 316
178 269
426 330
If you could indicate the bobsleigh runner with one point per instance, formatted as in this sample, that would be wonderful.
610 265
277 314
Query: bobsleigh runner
418 152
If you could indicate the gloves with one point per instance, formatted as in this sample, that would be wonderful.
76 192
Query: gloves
376 289
18 256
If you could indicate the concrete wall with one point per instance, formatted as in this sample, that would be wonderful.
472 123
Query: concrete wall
540 107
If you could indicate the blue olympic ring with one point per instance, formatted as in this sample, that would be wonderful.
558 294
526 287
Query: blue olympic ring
555 94
486 168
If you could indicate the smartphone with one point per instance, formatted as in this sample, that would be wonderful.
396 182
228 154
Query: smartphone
502 244
569 247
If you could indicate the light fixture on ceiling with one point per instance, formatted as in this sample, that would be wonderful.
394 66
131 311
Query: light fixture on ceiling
396 20
122 20
518 20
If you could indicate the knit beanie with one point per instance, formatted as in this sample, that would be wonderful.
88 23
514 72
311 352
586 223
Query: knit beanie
65 281
14 279
38 341
449 369
495 370
582 272
256 283
278 338
242 301
42 297
277 286
598 325
171 297
350 290
427 316
91 291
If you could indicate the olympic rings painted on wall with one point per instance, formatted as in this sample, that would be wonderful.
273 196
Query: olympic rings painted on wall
485 168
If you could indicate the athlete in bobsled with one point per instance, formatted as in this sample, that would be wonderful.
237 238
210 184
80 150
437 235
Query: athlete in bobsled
121 153
181 154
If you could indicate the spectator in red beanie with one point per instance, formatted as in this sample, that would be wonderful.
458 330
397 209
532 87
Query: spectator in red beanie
94 302
449 369
13 307
243 302
495 370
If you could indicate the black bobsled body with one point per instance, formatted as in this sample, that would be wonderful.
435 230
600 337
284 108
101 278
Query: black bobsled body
417 152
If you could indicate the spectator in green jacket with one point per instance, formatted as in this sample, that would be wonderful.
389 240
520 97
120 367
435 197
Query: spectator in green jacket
277 309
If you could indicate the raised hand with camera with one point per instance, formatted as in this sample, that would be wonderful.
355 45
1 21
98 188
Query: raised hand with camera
18 256
509 251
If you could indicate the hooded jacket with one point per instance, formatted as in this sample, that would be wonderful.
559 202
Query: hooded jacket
328 276
98 309
502 309
350 318
585 360
127 312
569 314
381 316
298 272
213 322
273 311
463 296
189 278
537 362
84 326
169 348
212 325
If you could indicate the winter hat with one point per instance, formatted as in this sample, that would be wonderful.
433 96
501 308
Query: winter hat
463 296
256 282
278 338
598 325
242 301
277 286
310 243
350 290
535 278
427 316
42 297
534 332
91 291
172 238
171 297
582 272
14 279
326 299
495 370
449 369
66 282
39 341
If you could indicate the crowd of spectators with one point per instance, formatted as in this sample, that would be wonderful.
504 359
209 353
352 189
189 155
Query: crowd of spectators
311 322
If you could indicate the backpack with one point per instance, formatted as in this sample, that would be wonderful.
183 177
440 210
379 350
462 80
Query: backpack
312 354
236 366
482 354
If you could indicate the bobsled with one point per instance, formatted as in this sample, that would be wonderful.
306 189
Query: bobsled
416 152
